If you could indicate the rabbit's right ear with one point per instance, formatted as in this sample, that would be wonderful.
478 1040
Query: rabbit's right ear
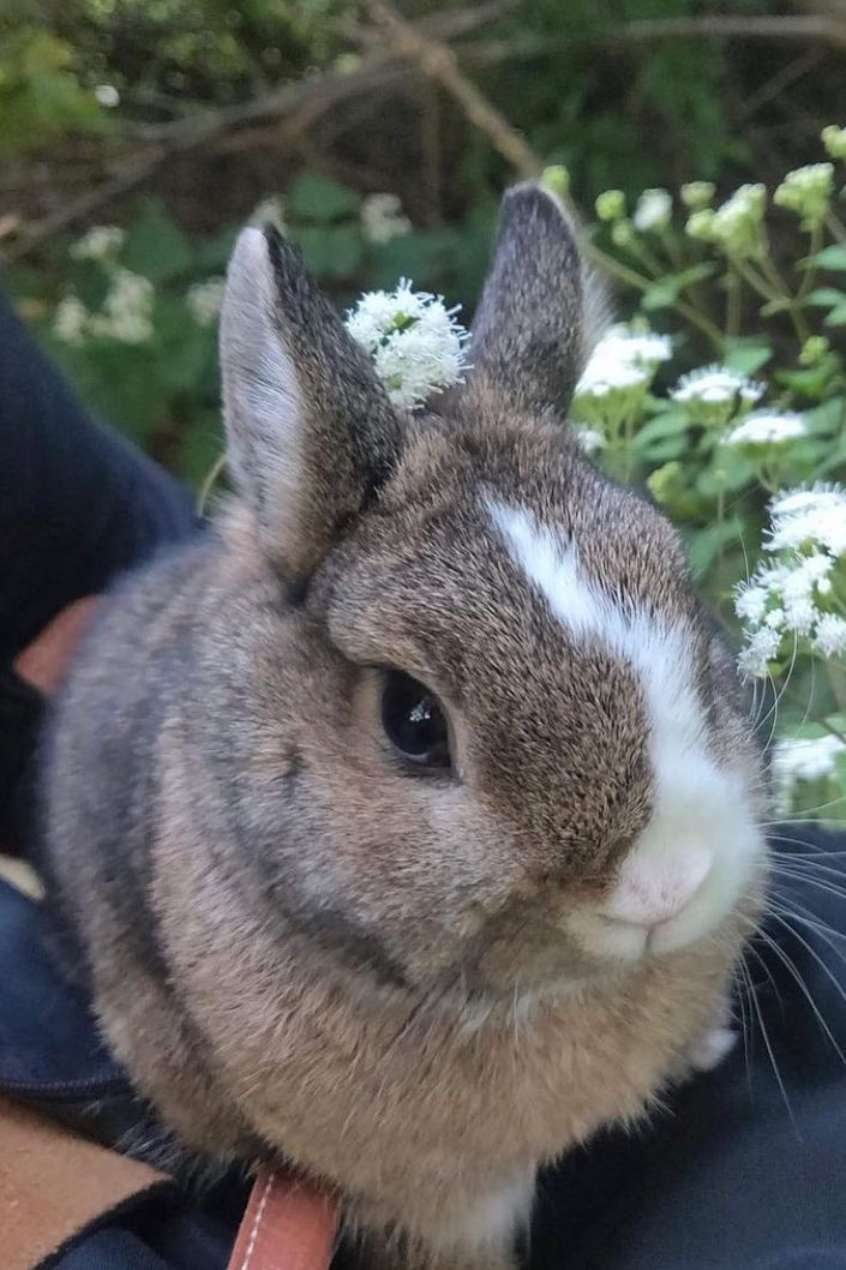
540 310
311 433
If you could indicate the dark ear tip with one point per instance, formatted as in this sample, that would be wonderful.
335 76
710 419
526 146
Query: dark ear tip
286 261
532 200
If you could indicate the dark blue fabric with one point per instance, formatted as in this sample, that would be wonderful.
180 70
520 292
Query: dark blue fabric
49 1047
77 503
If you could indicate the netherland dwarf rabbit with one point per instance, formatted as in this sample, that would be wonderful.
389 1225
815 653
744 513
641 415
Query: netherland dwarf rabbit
408 822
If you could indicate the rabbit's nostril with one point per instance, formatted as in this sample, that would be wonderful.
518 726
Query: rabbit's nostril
654 891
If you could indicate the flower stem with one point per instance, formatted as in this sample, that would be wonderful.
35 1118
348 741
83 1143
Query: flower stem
733 294
634 279
835 226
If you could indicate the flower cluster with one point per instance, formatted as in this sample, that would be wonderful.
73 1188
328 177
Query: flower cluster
798 594
807 191
737 226
382 218
204 299
417 345
617 377
654 211
767 427
101 242
715 394
799 761
126 314
834 140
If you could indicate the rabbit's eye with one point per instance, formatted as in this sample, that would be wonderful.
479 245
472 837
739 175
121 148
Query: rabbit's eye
414 721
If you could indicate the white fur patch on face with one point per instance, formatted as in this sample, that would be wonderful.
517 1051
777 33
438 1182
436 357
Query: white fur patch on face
693 860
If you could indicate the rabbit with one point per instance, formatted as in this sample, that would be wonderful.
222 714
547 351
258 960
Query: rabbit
407 825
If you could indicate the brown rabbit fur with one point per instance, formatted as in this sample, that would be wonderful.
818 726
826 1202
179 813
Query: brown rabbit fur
410 980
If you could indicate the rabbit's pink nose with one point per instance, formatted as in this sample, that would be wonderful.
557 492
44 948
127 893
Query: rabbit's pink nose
650 891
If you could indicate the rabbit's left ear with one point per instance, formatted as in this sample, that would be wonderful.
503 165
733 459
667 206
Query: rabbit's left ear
311 434
534 326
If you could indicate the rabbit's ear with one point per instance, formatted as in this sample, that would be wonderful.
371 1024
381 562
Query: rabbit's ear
534 326
311 433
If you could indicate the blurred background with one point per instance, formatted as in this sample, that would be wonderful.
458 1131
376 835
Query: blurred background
381 136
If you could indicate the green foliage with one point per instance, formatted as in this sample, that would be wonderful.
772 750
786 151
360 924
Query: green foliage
720 451
41 96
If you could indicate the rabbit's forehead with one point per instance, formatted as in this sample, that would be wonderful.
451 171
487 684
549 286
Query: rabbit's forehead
658 647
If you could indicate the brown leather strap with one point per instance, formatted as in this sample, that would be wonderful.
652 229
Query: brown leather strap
53 1184
287 1225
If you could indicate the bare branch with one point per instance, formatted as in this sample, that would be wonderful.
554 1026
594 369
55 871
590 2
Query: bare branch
439 63
824 27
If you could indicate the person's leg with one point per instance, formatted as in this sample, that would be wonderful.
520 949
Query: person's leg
77 502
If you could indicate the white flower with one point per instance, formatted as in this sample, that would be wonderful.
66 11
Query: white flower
382 218
717 392
70 320
204 299
830 635
416 343
604 375
767 427
127 314
797 585
654 210
716 384
808 759
815 516
590 439
107 95
807 191
761 648
781 598
834 140
623 360
100 242
751 602
737 225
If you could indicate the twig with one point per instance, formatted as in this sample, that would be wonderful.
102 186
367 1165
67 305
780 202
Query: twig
127 178
312 96
830 29
439 63
439 26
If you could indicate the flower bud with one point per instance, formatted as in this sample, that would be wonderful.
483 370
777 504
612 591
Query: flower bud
611 205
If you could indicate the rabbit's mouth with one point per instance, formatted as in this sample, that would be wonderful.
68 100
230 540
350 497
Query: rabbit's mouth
556 943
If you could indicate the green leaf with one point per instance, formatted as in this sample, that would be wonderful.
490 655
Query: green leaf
747 356
317 199
704 544
155 246
670 423
830 416
185 350
211 255
836 317
729 472
333 252
825 297
662 294
833 257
